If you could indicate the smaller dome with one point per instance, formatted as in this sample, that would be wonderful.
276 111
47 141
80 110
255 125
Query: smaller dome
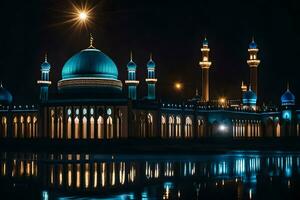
288 98
249 97
252 45
5 96
45 65
205 42
131 65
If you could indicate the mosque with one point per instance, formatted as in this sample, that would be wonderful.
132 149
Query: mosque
93 104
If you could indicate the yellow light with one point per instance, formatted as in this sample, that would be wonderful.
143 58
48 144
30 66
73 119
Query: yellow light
82 15
178 86
222 100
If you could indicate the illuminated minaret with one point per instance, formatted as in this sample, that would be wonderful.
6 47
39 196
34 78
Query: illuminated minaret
151 80
243 87
131 81
253 63
44 82
205 65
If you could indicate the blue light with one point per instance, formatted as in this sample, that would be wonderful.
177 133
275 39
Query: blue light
287 115
45 195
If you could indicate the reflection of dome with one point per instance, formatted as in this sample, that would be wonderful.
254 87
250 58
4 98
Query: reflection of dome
288 98
90 69
249 97
5 96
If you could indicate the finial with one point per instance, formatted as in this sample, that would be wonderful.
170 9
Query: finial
253 38
287 86
242 83
131 56
150 56
197 94
91 41
249 88
1 86
46 57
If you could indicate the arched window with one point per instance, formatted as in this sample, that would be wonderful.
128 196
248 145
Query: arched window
29 127
100 126
109 128
92 128
171 127
69 128
163 127
60 127
149 125
278 130
15 127
4 127
76 130
178 127
119 126
22 126
84 128
35 127
188 127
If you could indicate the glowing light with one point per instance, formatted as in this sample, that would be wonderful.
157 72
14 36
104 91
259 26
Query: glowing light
178 86
222 100
223 128
82 15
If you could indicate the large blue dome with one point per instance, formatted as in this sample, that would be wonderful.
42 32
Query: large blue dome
288 98
5 96
90 62
249 97
90 71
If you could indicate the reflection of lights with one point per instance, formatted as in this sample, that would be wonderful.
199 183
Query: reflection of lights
250 194
45 195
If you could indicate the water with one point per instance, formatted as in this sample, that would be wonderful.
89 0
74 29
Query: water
235 175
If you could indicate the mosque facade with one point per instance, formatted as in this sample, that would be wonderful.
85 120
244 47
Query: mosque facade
93 104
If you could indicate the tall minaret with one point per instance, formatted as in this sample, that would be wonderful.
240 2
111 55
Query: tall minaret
205 65
131 81
151 80
253 63
44 82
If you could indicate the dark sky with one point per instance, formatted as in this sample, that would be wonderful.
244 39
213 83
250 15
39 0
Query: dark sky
171 29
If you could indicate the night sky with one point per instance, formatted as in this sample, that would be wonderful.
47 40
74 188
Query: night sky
172 30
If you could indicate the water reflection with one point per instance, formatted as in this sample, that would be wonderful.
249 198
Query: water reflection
236 176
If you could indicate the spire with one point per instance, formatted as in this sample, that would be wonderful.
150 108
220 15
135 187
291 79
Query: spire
150 56
249 88
253 38
131 58
91 41
287 86
197 93
46 57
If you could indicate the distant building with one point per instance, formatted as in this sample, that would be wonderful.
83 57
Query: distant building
92 103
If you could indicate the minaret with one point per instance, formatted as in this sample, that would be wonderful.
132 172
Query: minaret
131 81
205 65
44 82
253 63
243 87
151 80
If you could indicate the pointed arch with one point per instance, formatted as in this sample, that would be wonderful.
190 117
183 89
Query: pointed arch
22 125
28 127
69 128
163 127
178 127
15 127
84 127
100 127
76 129
149 125
171 126
109 128
188 127
92 127
35 127
4 127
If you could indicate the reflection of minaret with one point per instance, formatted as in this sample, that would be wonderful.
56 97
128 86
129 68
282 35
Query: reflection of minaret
45 81
253 63
205 65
